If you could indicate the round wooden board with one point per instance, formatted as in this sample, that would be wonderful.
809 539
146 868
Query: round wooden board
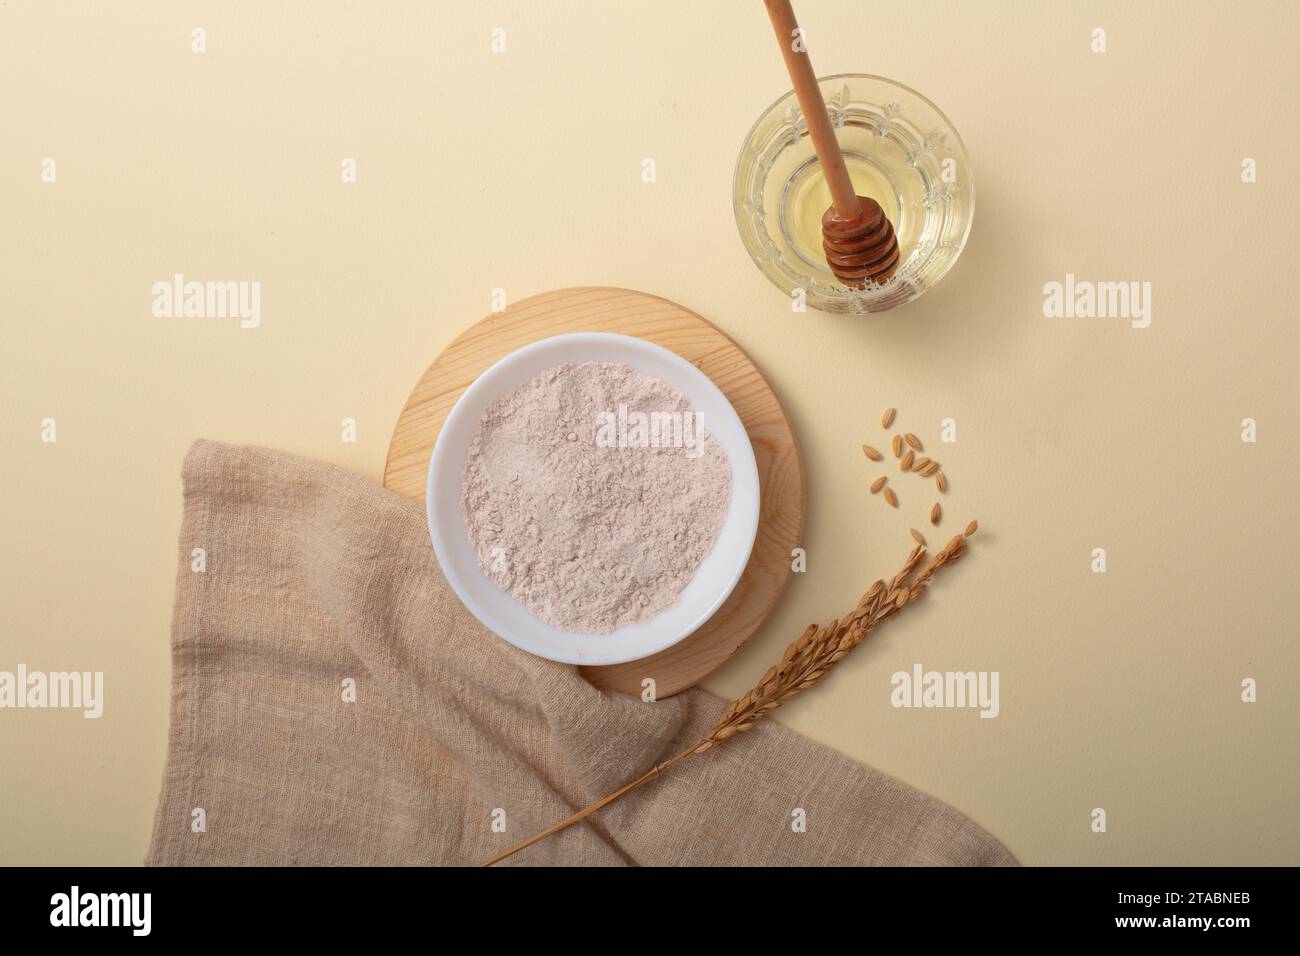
699 342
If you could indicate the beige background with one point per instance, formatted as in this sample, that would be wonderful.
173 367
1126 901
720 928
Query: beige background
521 170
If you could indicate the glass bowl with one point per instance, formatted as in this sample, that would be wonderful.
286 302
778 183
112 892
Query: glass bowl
900 150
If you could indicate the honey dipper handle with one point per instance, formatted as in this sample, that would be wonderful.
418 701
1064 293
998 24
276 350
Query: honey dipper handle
798 64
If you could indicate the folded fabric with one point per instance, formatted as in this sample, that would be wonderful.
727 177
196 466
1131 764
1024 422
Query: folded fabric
333 703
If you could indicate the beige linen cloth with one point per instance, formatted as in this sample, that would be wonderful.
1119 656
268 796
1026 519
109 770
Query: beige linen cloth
315 576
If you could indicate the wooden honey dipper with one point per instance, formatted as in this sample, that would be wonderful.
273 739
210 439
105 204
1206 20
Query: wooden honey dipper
857 236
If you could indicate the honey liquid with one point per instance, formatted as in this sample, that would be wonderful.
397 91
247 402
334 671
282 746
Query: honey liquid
807 197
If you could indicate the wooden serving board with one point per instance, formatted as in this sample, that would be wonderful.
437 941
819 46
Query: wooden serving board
667 324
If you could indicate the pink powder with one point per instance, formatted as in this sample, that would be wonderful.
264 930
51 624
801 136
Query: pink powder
592 494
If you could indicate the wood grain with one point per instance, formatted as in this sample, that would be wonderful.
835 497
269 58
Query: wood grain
665 323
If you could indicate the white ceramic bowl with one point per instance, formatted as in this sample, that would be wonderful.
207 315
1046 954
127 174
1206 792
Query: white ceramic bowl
506 616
